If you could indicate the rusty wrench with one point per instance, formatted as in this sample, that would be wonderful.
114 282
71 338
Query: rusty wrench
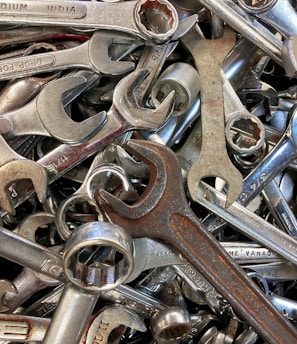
162 212
213 160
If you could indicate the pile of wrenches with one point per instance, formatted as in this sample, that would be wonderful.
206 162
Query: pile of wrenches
147 173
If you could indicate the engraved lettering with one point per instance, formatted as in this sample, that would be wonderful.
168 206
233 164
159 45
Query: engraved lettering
103 327
39 9
55 165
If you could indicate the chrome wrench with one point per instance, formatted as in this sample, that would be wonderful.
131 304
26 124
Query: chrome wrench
155 21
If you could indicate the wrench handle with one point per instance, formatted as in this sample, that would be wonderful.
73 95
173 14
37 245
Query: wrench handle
214 263
74 301
27 253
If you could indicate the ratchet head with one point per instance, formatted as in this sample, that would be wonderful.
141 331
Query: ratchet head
55 119
126 102
21 169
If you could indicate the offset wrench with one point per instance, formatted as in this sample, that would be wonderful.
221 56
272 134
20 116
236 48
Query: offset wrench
155 21
213 160
181 228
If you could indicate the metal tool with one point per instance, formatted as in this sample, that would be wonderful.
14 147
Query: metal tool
21 328
89 270
213 160
181 228
38 117
136 17
14 167
110 318
87 190
93 54
280 15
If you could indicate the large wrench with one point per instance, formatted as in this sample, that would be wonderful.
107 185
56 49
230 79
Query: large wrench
154 21
213 160
162 211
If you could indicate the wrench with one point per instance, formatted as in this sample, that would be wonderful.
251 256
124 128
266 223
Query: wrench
154 21
14 167
181 228
24 328
124 115
39 117
249 224
213 160
93 54
88 272
281 15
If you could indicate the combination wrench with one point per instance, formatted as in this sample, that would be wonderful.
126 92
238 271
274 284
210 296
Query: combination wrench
134 17
181 228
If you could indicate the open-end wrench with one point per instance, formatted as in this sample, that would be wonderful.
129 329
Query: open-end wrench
162 211
248 26
155 21
125 114
213 160
39 117
14 167
93 54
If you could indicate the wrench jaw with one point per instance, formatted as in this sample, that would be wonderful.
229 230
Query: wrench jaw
125 101
154 190
21 169
55 119
101 42
234 181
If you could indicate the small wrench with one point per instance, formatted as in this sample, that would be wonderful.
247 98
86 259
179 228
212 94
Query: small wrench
155 21
157 213
92 54
14 167
39 117
213 160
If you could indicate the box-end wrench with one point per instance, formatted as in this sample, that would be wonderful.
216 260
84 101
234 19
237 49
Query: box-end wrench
92 54
14 167
89 272
154 21
213 160
163 212
39 117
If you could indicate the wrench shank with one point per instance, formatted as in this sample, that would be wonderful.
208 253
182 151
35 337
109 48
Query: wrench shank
30 254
